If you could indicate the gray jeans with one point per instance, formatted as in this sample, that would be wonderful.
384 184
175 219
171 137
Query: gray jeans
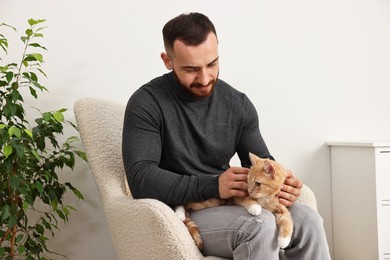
231 232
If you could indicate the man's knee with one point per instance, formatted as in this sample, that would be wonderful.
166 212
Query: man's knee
262 227
306 219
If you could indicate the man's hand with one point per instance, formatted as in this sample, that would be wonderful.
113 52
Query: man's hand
290 190
233 182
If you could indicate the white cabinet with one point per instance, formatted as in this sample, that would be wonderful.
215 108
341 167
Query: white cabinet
361 200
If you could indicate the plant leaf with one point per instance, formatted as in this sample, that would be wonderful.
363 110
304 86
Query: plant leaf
9 76
34 22
60 214
66 210
25 205
75 191
33 76
16 95
38 56
38 35
24 39
27 131
58 116
46 116
14 131
29 32
21 249
39 186
39 228
33 92
36 155
41 71
5 212
14 183
37 45
12 221
7 150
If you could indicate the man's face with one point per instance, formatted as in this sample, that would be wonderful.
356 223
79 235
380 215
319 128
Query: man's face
196 67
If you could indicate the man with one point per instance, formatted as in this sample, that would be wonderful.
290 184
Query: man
180 132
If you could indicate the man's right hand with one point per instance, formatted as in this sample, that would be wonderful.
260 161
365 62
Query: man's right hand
233 183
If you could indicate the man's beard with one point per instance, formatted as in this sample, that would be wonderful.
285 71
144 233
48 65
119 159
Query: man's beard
195 85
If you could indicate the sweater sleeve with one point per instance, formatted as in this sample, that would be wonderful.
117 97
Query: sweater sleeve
141 149
251 139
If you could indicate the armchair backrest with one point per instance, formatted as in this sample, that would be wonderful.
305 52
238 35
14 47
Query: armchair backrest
100 125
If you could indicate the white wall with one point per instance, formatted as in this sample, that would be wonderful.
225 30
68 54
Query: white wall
316 70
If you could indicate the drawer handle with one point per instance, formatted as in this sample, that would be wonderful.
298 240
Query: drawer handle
386 203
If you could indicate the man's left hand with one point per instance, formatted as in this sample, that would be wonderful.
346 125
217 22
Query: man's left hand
290 190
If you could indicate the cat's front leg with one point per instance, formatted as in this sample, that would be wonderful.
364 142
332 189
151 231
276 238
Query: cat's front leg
284 241
254 209
251 205
285 225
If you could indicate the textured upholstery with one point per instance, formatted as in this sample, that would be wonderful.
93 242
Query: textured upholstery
140 229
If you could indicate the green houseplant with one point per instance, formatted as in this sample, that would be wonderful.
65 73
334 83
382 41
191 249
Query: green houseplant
30 155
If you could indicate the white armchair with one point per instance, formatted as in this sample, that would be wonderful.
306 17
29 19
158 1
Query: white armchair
140 229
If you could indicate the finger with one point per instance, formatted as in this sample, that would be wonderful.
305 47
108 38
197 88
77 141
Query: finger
240 177
238 193
238 174
291 190
241 185
287 196
296 183
239 170
293 181
285 202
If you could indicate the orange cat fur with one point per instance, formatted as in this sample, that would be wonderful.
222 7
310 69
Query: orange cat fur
265 180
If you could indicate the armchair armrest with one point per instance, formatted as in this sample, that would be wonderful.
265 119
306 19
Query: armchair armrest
308 197
134 222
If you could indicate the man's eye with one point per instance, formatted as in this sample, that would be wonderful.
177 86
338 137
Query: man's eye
190 70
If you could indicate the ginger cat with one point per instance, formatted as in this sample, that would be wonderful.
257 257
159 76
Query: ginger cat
265 180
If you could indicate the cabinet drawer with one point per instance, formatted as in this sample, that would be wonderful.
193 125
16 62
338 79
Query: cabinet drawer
384 232
383 176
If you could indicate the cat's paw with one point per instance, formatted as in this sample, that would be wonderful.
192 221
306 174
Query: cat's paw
255 209
284 241
180 212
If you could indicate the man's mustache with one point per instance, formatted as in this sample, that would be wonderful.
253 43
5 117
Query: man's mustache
197 85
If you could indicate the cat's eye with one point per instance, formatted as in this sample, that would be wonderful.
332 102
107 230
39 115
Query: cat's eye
257 184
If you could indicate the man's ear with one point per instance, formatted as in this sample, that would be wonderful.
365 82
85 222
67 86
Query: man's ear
167 61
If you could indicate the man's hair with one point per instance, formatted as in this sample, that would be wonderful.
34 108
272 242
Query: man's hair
192 29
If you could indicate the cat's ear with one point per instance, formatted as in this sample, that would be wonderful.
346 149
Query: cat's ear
253 158
269 168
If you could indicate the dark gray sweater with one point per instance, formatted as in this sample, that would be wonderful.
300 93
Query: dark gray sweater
175 145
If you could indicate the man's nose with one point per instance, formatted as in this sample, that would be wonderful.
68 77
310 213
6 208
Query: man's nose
203 77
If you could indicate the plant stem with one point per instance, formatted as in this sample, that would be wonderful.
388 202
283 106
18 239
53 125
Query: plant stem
13 200
12 253
23 56
5 235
